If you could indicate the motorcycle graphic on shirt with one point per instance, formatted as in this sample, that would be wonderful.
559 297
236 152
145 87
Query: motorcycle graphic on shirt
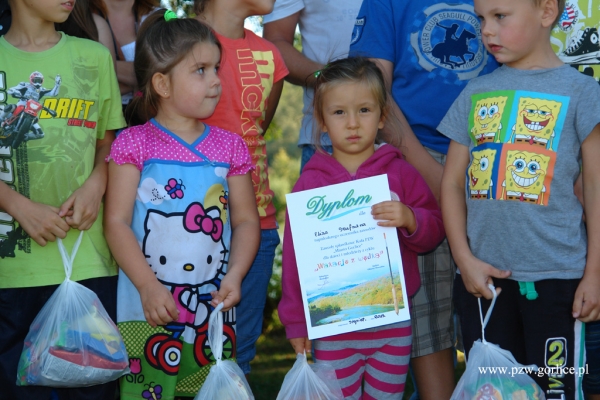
19 122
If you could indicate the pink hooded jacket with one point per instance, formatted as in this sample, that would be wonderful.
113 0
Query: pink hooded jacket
405 182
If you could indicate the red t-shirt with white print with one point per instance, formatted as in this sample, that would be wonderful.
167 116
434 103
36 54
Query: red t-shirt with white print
249 68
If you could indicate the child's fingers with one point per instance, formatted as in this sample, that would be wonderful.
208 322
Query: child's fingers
54 228
385 207
493 273
586 304
172 311
83 216
577 305
387 222
384 204
229 298
227 304
149 319
59 230
161 315
217 297
308 346
159 306
75 220
498 273
486 291
590 316
300 345
82 219
66 206
584 309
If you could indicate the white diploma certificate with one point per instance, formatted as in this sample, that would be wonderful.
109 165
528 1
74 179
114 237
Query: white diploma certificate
350 268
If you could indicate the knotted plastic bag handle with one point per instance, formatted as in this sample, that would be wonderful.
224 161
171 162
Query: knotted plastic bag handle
215 332
68 259
484 321
488 314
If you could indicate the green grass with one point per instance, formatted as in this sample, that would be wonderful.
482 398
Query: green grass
275 357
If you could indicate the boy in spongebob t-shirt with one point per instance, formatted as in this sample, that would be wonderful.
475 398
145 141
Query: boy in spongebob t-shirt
59 107
527 237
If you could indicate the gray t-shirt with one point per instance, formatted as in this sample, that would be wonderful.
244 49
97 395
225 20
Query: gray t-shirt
524 129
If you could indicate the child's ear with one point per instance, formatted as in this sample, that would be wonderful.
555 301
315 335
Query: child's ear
382 120
321 124
161 84
550 11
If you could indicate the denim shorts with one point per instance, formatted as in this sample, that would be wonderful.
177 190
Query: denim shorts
591 381
249 311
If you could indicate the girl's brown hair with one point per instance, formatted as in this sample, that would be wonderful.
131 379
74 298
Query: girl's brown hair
140 8
354 70
199 6
143 7
160 46
81 22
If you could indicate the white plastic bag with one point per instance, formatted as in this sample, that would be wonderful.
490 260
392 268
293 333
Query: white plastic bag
310 382
72 341
225 379
496 384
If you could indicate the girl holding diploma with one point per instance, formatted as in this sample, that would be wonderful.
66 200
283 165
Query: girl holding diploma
351 105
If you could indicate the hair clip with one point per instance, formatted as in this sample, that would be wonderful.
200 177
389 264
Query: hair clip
139 94
169 15
318 72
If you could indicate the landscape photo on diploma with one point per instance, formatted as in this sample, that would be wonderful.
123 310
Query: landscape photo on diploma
337 300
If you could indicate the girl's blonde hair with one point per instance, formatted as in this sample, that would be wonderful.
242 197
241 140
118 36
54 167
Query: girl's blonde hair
160 46
354 70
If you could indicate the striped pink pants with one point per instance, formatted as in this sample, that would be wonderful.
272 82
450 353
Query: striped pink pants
369 364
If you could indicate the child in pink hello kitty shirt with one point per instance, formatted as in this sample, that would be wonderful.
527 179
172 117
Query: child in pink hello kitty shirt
181 220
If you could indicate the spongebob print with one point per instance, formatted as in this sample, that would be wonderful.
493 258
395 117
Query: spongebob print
524 176
488 113
536 122
480 174
514 137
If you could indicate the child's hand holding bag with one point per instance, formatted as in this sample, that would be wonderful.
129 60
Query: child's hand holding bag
493 373
72 342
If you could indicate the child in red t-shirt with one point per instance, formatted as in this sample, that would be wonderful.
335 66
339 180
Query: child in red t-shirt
251 72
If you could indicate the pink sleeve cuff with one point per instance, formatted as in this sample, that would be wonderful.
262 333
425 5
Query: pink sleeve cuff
296 331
